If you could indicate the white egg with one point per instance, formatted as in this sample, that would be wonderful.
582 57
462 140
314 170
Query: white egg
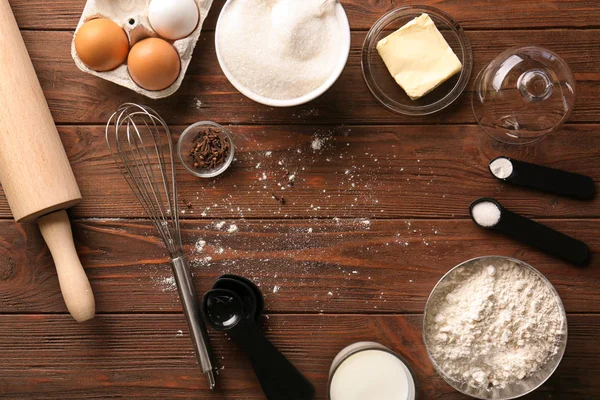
173 19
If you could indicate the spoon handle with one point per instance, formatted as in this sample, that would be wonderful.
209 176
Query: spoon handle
193 316
544 238
279 379
551 180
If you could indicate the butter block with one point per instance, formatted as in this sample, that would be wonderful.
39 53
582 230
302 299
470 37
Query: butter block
418 57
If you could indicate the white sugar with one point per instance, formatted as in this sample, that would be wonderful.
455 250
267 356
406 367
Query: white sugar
281 49
486 214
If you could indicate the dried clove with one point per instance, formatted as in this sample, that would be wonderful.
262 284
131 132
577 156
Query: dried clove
279 199
209 149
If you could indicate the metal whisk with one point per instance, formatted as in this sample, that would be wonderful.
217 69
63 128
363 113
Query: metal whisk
140 143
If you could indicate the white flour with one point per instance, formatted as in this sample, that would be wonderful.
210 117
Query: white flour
279 49
501 167
490 326
199 247
232 228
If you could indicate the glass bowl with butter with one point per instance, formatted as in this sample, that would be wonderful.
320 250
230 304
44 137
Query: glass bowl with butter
416 60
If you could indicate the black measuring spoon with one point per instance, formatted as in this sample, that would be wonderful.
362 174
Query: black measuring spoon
543 178
242 290
224 282
227 311
488 213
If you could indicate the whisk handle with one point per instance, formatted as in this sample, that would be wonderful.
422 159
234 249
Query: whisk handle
193 315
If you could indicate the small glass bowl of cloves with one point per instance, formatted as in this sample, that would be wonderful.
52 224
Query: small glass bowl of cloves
206 149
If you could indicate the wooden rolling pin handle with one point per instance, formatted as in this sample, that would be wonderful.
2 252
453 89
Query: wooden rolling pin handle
74 284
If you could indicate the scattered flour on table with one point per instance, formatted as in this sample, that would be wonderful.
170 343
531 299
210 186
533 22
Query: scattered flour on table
199 247
365 221
232 228
316 144
345 202
219 225
493 325
321 141
168 283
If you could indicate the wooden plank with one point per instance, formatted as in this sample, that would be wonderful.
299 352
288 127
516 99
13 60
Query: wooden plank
360 171
302 266
150 357
471 14
76 97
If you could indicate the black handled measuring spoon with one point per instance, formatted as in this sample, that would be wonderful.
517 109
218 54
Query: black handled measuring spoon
488 213
543 178
226 311
242 285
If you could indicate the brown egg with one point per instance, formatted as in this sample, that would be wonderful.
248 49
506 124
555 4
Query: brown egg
101 44
154 64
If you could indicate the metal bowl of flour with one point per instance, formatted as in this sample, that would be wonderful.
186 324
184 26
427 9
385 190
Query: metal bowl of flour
514 390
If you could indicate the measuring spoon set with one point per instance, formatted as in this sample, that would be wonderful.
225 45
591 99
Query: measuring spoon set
490 214
234 305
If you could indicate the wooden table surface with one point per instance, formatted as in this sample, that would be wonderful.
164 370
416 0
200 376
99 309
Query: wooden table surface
377 215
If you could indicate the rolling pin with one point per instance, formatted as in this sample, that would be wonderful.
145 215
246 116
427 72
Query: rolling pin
34 169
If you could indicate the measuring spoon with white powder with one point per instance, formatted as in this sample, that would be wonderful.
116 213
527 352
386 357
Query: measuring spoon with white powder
488 213
543 178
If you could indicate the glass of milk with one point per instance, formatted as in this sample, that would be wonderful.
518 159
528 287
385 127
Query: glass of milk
368 370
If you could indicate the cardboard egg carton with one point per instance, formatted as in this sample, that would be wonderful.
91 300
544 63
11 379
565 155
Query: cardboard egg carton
132 16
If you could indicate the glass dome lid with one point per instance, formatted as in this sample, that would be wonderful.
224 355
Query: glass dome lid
523 95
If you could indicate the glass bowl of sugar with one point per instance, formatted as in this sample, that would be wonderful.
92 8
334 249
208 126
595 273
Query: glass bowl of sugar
282 53
383 85
495 328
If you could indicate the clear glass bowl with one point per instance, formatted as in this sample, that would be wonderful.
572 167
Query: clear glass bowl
185 143
523 95
383 86
526 385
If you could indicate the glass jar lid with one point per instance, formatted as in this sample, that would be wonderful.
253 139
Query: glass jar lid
523 95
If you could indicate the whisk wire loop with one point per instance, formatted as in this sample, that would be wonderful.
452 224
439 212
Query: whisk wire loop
137 145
